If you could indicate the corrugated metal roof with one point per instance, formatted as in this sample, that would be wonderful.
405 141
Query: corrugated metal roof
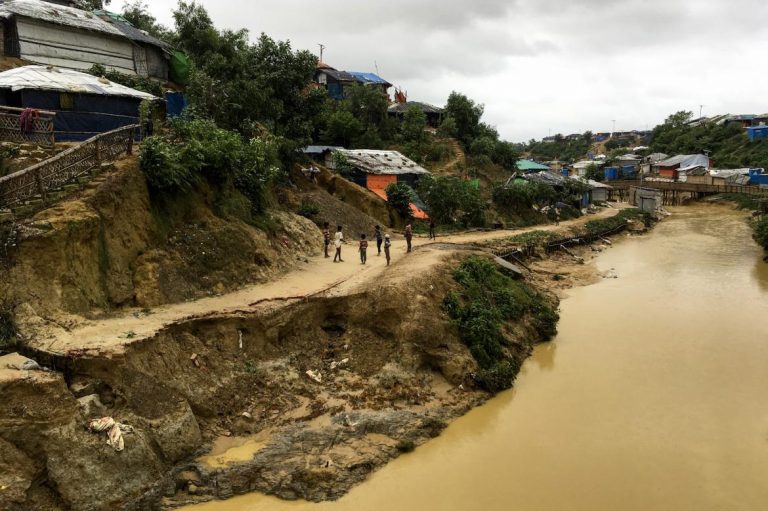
319 149
64 80
401 108
128 30
341 76
529 165
373 161
369 78
686 161
58 14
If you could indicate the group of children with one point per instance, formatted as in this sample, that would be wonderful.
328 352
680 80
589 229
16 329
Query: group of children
381 240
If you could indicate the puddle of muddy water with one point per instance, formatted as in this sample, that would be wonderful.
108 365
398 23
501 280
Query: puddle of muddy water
231 450
653 397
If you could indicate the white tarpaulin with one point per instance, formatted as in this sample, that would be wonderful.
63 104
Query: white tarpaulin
64 80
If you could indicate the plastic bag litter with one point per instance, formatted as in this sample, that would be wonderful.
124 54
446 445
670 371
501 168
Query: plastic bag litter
113 429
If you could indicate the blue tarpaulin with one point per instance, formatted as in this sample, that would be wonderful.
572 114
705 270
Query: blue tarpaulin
82 116
176 103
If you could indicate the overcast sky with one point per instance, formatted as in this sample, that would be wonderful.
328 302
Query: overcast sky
538 65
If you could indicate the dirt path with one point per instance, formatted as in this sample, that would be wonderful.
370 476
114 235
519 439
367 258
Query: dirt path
109 337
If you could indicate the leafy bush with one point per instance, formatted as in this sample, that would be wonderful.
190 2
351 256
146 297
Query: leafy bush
606 224
193 149
7 327
486 300
452 199
137 82
308 209
761 232
400 196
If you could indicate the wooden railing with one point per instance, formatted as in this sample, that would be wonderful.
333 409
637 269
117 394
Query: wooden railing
41 132
41 178
682 186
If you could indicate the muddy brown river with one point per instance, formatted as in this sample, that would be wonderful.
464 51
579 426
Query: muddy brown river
654 395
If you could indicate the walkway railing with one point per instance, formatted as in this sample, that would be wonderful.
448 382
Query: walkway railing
41 132
66 167
690 187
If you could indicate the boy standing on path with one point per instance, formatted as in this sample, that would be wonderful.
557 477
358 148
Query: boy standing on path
339 239
363 249
408 235
377 233
432 229
387 244
326 238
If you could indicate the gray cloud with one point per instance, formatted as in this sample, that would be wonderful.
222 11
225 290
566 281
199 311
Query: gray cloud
536 64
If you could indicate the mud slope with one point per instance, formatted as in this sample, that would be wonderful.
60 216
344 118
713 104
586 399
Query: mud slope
388 373
114 246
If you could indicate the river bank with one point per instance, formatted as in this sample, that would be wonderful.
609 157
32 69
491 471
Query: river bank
652 396
301 398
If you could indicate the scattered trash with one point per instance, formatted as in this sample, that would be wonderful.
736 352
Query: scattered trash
194 360
349 422
240 338
340 363
314 376
247 415
113 429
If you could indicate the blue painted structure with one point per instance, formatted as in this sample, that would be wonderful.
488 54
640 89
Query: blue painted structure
85 116
176 103
628 171
757 132
611 173
758 177
565 172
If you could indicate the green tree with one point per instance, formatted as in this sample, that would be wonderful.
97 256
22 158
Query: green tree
342 128
449 199
137 12
466 115
413 125
91 5
506 155
448 128
761 232
593 172
400 197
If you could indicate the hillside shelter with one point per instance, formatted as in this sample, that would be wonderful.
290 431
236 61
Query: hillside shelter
46 33
530 166
85 105
376 169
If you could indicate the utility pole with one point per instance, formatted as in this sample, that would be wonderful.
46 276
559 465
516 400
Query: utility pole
701 107
614 126
322 47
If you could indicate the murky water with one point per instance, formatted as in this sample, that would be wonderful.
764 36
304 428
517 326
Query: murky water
653 397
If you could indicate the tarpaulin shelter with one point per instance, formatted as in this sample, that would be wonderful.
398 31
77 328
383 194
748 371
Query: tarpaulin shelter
50 34
85 105
375 170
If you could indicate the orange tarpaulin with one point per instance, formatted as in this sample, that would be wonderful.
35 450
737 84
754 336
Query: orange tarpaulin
378 184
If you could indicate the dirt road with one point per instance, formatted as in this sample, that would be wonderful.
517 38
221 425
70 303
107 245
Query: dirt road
108 337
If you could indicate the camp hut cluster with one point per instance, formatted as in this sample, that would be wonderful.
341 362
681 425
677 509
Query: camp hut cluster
84 105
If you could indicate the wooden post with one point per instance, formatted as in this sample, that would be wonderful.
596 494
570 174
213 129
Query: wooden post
97 145
39 182
130 141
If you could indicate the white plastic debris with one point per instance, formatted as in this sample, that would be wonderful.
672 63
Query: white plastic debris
113 429
315 376
340 363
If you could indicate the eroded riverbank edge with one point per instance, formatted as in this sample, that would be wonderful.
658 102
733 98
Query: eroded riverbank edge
236 375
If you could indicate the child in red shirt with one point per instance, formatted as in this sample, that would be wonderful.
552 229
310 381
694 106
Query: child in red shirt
363 249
